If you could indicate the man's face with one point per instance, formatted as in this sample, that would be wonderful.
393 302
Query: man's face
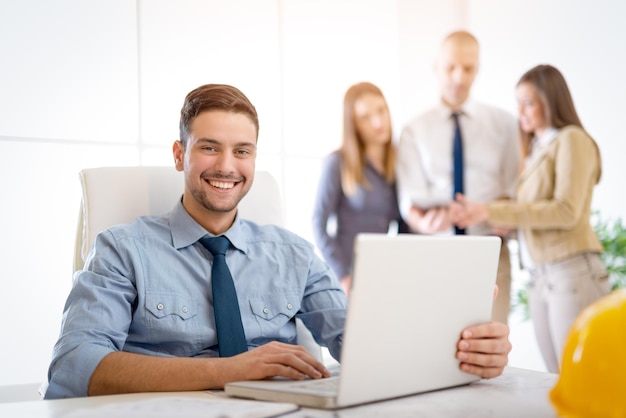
456 70
218 161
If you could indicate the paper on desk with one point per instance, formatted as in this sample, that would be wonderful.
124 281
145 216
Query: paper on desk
186 407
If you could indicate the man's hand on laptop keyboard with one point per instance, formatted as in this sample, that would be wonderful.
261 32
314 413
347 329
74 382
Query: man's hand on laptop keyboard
271 360
484 349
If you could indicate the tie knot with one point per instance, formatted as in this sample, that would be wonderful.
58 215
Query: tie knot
455 116
216 245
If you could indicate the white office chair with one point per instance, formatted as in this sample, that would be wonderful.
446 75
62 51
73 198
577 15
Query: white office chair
114 195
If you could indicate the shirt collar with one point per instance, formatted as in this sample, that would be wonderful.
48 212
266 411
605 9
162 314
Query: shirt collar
186 231
547 137
540 143
467 109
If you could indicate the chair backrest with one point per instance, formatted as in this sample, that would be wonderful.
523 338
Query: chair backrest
115 195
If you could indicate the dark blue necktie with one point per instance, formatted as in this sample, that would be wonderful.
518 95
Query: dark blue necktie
230 336
457 152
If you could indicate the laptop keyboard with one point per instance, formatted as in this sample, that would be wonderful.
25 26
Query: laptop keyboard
328 385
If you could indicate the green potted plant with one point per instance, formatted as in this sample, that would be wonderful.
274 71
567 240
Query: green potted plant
612 235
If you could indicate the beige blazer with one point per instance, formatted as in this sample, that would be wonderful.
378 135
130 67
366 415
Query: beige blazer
553 203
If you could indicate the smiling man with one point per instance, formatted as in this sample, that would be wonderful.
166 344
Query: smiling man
144 315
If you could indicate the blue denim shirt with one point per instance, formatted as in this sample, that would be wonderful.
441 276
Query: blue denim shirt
146 288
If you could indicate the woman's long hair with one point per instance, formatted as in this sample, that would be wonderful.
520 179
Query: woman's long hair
353 149
559 110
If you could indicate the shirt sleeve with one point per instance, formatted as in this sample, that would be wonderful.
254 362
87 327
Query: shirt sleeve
511 157
411 181
323 308
96 319
575 175
329 194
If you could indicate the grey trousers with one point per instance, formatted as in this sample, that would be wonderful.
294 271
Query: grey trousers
558 293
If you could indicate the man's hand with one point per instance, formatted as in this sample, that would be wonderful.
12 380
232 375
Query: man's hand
429 221
122 372
465 213
270 360
484 349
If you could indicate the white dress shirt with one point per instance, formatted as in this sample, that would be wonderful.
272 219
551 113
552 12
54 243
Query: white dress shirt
490 152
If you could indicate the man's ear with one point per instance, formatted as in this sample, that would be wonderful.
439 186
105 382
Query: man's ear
179 154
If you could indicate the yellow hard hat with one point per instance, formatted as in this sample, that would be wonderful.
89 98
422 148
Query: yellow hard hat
592 382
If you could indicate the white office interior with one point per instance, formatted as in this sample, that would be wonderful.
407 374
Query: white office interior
101 82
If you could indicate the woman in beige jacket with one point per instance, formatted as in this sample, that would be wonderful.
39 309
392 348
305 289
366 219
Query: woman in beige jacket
561 165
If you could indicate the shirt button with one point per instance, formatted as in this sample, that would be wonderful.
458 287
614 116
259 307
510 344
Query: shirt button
185 309
266 310
160 306
289 306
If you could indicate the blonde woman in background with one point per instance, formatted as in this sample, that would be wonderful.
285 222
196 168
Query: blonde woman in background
357 190
558 246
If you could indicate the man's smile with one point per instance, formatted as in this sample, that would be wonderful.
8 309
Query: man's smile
220 184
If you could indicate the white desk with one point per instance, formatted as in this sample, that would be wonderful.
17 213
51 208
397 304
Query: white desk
517 393
20 393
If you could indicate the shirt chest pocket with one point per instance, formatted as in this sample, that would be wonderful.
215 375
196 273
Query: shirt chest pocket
172 323
273 312
164 304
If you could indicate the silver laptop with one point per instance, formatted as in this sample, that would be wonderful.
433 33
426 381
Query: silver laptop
411 297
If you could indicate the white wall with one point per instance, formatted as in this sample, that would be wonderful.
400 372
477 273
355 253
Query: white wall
68 99
101 83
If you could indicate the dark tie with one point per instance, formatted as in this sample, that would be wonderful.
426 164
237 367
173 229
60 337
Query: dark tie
457 152
230 336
